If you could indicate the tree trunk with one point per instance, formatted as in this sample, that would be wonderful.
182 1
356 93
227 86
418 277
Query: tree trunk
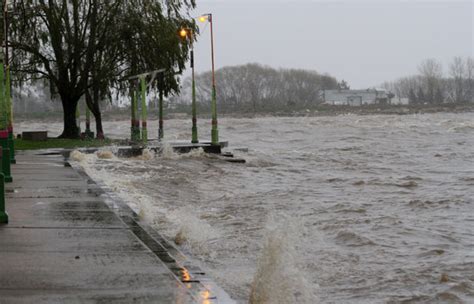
94 107
70 124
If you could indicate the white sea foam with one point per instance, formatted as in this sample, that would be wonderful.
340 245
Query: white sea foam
278 278
77 156
191 230
147 154
183 224
195 153
105 154
168 152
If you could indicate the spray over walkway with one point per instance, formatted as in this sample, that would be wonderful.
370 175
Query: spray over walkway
70 241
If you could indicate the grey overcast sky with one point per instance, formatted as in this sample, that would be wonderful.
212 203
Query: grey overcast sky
363 42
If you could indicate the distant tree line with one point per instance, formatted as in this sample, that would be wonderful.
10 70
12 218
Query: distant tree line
258 88
432 86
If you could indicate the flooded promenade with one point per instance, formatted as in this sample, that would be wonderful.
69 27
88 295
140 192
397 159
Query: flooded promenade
68 242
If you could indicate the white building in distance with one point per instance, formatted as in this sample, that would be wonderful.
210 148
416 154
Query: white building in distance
357 97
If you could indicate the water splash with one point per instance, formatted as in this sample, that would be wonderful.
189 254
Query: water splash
168 152
105 154
278 279
147 154
77 156
195 153
191 231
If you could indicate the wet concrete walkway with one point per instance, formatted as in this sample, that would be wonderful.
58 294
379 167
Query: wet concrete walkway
65 244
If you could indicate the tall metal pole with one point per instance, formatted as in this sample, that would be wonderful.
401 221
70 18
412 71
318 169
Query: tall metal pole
4 126
3 212
214 130
160 118
144 110
194 138
6 27
135 129
132 111
137 115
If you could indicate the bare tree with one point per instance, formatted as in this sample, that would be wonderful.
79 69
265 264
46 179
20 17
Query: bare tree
255 88
431 72
469 75
457 86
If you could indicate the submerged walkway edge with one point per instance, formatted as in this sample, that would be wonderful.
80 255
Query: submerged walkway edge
72 240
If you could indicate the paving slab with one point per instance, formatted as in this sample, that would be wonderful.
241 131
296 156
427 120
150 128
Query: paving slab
58 204
70 240
72 270
114 296
25 183
46 218
14 192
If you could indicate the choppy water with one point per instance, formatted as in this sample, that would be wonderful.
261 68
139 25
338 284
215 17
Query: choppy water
347 209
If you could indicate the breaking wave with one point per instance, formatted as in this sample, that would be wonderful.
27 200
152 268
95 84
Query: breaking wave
167 152
77 156
278 278
147 154
191 230
105 154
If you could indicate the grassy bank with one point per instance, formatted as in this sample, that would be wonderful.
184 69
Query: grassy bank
51 143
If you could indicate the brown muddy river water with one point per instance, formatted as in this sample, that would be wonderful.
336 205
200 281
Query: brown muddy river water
346 209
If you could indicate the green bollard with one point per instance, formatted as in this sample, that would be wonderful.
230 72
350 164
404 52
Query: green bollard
8 99
3 213
144 112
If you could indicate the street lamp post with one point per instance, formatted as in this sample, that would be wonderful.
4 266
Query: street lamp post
144 110
194 139
8 97
135 124
4 127
188 33
160 117
214 130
